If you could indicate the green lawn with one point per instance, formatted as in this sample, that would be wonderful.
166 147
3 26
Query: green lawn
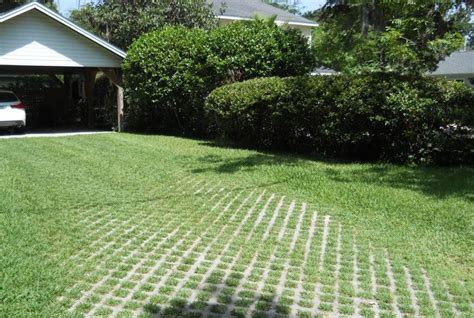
122 225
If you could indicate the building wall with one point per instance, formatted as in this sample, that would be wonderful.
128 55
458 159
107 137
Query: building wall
33 39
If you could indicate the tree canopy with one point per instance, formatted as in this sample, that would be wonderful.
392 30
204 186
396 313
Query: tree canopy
313 15
357 36
123 21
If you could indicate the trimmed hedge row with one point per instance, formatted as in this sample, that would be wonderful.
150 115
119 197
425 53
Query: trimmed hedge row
169 72
378 117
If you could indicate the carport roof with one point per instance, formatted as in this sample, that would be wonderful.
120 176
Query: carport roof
62 20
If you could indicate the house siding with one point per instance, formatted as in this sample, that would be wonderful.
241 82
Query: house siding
33 39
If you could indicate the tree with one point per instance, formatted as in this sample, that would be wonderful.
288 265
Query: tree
389 36
12 4
313 15
470 36
123 21
294 8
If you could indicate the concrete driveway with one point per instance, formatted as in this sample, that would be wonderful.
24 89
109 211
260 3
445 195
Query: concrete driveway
52 133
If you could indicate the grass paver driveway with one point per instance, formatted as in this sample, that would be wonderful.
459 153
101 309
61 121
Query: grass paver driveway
127 225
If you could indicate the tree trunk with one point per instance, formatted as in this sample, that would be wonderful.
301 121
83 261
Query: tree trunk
367 9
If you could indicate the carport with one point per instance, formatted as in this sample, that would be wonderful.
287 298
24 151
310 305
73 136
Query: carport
35 40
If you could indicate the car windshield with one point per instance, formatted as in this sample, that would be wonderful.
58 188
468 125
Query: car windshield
6 97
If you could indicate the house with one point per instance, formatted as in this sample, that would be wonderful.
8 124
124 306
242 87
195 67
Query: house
458 66
35 40
229 11
323 71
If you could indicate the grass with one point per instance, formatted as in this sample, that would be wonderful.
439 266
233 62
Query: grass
121 224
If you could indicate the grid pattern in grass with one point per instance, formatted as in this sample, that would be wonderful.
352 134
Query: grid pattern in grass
242 252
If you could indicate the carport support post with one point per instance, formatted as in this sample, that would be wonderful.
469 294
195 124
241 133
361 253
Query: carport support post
115 75
119 108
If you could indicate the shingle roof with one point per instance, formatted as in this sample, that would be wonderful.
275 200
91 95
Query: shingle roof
457 64
249 9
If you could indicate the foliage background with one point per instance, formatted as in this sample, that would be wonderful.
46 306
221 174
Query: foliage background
123 21
406 37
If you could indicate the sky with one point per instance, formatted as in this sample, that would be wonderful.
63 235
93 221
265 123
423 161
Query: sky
312 4
66 5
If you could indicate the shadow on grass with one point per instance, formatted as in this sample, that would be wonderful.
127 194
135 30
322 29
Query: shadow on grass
229 304
251 162
434 181
438 182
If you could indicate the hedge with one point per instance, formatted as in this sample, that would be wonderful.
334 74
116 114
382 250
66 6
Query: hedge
378 117
259 48
169 72
167 77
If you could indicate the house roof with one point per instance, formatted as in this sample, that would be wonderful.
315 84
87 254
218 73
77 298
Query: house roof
458 64
323 71
60 19
249 9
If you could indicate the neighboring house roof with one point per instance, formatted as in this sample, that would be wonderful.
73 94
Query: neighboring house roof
249 9
458 64
60 19
323 71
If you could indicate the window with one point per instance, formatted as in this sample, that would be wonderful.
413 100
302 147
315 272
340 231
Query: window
6 97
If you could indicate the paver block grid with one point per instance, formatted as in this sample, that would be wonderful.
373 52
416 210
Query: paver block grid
245 253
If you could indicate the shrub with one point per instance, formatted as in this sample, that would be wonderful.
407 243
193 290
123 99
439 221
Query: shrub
169 72
259 48
454 141
254 113
167 78
370 117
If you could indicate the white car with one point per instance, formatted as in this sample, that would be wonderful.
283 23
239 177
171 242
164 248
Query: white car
12 111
